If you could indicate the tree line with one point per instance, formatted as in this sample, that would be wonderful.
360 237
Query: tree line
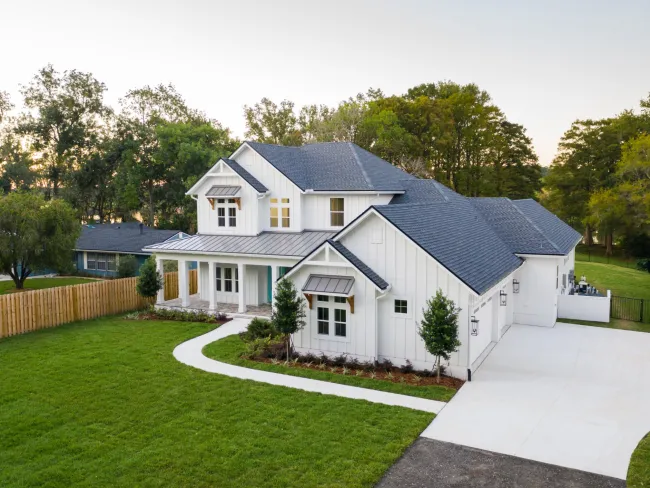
137 160
599 182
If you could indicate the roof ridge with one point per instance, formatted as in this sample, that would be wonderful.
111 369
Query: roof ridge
358 161
535 225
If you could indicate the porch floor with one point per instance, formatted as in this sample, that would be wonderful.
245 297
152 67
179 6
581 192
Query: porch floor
197 304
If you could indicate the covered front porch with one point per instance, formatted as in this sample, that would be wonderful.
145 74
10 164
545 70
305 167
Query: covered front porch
221 284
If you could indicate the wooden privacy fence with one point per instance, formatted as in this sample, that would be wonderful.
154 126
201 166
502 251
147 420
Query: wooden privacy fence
171 284
38 309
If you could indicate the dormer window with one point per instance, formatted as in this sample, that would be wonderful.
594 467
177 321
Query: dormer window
226 212
280 212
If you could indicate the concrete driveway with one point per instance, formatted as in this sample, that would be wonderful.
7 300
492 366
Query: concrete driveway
571 395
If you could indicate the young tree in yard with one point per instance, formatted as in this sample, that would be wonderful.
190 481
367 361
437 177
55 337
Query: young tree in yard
35 234
288 311
150 280
439 328
128 266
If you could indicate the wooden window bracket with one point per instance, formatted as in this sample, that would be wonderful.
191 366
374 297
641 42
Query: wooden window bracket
309 298
351 303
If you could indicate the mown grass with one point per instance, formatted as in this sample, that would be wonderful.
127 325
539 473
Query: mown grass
42 283
597 254
612 324
622 281
104 403
229 350
638 473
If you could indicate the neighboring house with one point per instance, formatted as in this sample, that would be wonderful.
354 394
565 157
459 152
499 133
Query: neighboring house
100 246
368 244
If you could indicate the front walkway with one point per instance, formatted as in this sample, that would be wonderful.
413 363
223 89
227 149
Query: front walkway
571 395
191 353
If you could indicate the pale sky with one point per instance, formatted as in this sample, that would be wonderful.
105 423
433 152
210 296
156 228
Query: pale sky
545 63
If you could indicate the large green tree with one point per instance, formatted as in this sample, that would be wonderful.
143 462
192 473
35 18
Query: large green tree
35 234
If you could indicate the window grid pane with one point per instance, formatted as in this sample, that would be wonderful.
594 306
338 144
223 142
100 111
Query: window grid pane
323 320
339 299
218 278
401 306
92 257
322 298
110 262
101 262
227 280
237 280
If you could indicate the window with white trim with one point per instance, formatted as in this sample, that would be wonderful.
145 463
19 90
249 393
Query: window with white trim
401 306
280 212
323 320
227 279
331 318
340 322
226 212
101 261
337 212
218 278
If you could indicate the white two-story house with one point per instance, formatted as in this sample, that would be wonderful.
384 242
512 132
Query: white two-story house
368 244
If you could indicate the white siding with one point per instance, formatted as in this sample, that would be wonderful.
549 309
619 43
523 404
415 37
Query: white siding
414 276
316 208
536 302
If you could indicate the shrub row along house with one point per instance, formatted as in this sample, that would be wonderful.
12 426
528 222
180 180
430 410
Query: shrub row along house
368 244
100 246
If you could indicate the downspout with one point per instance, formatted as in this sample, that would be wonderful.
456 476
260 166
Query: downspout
379 297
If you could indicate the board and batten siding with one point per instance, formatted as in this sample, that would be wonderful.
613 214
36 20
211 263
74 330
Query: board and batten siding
360 340
536 302
316 208
414 276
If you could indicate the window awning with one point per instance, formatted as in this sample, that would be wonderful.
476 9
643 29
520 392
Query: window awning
223 191
329 285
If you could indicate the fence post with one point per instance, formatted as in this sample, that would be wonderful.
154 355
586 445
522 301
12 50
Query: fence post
641 311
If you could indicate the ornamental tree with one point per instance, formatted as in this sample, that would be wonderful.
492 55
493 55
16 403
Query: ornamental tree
150 281
35 234
439 328
288 311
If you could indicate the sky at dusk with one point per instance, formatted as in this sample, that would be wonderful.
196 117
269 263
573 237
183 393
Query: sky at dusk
545 64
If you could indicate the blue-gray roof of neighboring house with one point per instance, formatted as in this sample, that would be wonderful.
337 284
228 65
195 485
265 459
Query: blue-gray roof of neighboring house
333 166
519 232
360 265
452 231
125 237
562 235
249 178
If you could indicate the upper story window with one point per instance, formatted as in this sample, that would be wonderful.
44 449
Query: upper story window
226 212
337 210
280 212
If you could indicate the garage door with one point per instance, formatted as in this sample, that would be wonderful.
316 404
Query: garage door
479 342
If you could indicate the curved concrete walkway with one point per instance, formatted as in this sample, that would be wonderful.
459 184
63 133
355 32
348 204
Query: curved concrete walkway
191 353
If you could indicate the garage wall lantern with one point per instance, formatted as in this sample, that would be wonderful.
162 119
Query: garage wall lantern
503 298
515 286
474 323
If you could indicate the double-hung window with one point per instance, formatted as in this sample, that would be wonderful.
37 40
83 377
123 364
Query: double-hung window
110 262
226 212
91 260
225 279
218 278
337 211
329 309
280 212
101 261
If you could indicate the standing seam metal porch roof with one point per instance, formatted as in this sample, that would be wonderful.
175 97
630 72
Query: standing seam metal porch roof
341 285
223 191
267 243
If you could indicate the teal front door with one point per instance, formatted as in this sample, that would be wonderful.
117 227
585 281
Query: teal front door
269 287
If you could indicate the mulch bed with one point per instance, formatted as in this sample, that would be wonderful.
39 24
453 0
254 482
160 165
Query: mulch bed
396 376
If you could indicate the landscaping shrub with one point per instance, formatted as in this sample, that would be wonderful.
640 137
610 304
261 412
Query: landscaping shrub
259 328
177 315
150 281
643 264
128 266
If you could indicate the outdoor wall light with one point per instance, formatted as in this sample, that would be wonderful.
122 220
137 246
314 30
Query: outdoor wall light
474 322
503 298
515 286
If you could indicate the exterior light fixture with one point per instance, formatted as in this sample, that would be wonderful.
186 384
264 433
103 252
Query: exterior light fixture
474 323
503 298
515 286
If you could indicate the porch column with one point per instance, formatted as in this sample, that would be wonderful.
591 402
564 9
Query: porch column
184 282
161 270
212 285
274 278
241 277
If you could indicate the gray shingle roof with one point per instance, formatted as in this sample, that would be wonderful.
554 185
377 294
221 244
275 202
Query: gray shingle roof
455 234
271 243
249 178
562 235
222 191
521 234
335 166
360 265
123 238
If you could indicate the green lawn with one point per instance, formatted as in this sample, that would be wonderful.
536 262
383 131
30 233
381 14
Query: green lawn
596 254
41 283
229 350
622 281
104 403
638 474
612 324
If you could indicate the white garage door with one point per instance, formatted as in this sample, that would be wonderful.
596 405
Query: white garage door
479 342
